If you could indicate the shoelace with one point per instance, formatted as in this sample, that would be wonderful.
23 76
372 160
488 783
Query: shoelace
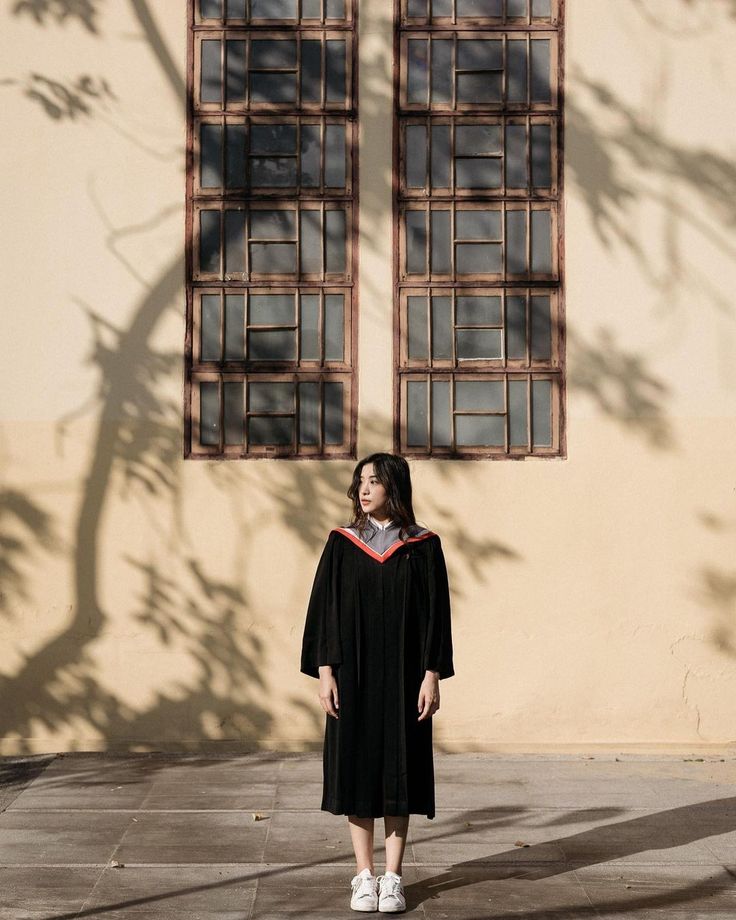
364 887
390 885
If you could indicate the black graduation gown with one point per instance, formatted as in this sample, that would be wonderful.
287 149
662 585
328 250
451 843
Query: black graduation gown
380 621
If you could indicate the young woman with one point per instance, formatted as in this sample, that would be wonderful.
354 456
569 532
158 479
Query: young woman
378 637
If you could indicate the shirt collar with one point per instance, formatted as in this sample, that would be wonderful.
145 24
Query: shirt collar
376 524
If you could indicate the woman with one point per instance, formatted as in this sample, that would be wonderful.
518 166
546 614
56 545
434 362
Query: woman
378 637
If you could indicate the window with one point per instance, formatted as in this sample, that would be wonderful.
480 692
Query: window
271 199
477 209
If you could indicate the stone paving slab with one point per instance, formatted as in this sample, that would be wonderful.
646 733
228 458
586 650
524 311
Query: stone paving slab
565 837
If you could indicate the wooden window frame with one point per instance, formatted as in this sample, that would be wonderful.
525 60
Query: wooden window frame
298 199
453 284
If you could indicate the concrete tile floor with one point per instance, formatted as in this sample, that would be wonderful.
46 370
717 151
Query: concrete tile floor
535 836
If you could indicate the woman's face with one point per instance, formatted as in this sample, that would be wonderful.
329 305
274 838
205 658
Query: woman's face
372 494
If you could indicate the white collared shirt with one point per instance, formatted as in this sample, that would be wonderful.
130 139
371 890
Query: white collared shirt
379 525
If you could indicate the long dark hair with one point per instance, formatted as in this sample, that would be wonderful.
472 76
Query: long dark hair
392 471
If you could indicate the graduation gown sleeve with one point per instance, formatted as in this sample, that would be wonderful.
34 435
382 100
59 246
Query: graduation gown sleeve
321 639
438 646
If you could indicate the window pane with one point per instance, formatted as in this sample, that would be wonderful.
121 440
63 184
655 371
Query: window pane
478 225
541 241
234 241
209 413
271 309
310 155
234 327
335 64
311 241
541 156
417 8
478 310
271 396
210 9
417 431
210 337
478 172
541 90
273 172
517 413
271 344
516 327
311 9
273 225
472 140
273 87
311 71
416 242
541 8
479 343
335 9
516 51
272 138
235 70
541 327
517 8
541 408
309 327
209 240
516 242
478 257
335 240
441 418
210 89
440 156
417 70
210 143
235 9
441 8
479 87
441 249
416 156
479 394
478 9
516 156
235 156
273 258
417 323
334 327
233 411
273 9
335 159
480 430
271 54
308 412
278 429
442 328
479 54
333 412
441 71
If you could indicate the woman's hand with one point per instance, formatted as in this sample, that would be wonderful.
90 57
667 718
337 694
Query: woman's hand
429 695
328 690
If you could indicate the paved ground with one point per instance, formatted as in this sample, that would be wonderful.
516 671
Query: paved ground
515 836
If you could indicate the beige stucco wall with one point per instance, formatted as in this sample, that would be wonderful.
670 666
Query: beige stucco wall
154 603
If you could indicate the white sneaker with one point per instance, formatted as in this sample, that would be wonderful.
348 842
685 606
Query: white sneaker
390 893
365 891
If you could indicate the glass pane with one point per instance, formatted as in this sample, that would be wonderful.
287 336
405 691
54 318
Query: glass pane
273 258
308 412
541 8
210 89
311 9
516 51
334 327
480 430
273 9
479 394
542 156
541 345
416 414
333 412
234 241
516 326
235 9
442 328
210 144
309 327
472 140
441 419
335 241
210 333
441 8
417 9
478 172
335 9
478 225
541 409
541 241
272 54
479 343
273 172
272 138
311 241
516 241
235 156
278 429
232 398
417 335
310 156
478 257
440 156
234 327
441 71
541 89
271 344
516 156
335 158
416 242
210 9
209 413
271 310
482 310
271 396
441 247
480 9
517 413
479 54
416 156
311 71
516 8
273 87
209 241
479 87
417 70
235 70
335 63
273 225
